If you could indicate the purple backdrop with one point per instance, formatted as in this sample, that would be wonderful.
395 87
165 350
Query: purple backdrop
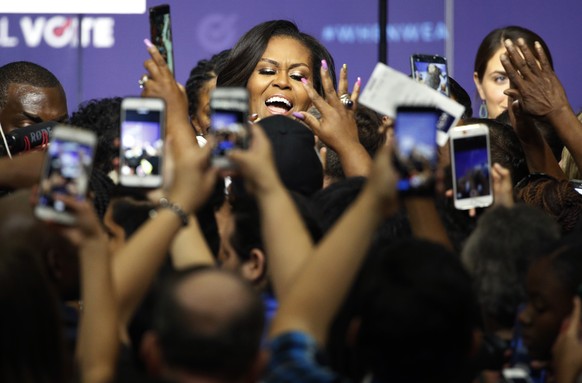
102 55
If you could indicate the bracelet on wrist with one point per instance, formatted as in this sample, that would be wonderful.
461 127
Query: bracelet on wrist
165 203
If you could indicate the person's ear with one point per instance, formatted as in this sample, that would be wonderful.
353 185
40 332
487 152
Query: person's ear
151 354
255 268
478 86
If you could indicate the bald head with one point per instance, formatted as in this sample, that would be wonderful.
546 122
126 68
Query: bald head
29 94
209 321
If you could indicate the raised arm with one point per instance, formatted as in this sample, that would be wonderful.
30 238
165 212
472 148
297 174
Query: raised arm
539 92
286 240
329 272
98 341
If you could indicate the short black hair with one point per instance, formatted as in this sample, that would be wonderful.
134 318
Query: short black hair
418 309
498 254
27 73
368 123
248 51
228 352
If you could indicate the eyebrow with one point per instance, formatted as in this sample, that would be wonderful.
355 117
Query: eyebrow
290 66
37 119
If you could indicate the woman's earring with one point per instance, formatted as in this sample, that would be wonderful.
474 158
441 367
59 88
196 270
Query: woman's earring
483 110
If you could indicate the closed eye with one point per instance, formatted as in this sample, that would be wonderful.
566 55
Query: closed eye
297 76
267 71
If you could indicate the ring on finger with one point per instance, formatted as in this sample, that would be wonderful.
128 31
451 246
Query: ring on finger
143 80
345 99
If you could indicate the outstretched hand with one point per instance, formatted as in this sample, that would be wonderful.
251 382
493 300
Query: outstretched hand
161 83
87 228
533 81
337 127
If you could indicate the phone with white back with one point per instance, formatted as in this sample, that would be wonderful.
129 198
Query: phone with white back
431 70
142 132
229 109
415 129
67 170
471 166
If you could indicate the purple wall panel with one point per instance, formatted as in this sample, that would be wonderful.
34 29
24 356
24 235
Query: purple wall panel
103 55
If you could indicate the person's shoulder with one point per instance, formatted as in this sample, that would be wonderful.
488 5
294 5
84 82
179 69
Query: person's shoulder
295 357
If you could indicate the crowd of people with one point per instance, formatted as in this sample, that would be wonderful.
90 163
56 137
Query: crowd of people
307 265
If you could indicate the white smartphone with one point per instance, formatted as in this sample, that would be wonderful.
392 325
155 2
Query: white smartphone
471 165
228 123
515 375
67 170
142 142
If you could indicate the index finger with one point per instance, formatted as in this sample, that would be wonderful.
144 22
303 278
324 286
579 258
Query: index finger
155 54
511 71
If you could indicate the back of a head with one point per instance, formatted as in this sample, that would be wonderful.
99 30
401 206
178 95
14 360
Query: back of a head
209 322
460 95
101 116
25 73
558 198
506 149
498 254
368 123
31 343
419 314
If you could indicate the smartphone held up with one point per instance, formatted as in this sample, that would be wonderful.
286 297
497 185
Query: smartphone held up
67 170
142 142
431 70
415 130
471 166
228 123
161 33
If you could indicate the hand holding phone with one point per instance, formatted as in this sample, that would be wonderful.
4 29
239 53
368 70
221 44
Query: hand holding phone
228 123
471 166
161 32
416 149
67 171
142 142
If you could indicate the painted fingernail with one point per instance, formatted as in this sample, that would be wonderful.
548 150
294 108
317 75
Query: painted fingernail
538 45
345 67
521 41
254 116
508 42
359 81
324 64
298 115
148 43
304 80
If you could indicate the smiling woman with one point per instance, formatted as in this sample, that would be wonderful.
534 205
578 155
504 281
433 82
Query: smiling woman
270 60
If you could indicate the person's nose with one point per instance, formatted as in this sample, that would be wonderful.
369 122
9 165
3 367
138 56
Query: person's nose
282 80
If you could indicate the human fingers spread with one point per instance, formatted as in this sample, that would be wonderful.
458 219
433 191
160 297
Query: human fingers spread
528 55
317 100
330 94
343 82
511 70
516 57
542 57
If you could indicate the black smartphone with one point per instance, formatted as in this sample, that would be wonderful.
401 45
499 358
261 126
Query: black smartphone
142 142
67 170
228 123
431 70
415 130
161 33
